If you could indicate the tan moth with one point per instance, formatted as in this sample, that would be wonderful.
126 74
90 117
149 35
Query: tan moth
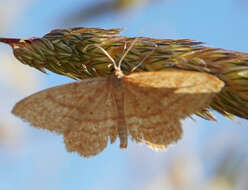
148 106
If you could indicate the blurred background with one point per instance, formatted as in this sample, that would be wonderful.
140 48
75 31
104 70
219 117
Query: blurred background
211 156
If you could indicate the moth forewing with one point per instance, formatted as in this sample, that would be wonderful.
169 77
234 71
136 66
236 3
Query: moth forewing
48 108
155 102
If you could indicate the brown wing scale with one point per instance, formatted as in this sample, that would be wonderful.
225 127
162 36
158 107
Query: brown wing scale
155 102
83 111
90 126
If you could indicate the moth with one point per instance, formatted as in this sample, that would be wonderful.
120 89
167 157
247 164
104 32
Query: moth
148 106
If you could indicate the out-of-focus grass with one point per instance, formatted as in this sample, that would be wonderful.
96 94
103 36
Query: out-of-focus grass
96 10
14 79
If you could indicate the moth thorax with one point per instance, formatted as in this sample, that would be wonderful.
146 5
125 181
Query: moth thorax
118 73
116 80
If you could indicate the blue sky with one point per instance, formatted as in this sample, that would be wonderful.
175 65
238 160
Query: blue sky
42 162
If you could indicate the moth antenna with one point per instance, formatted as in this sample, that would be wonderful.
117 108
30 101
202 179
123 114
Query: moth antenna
125 54
107 54
143 60
118 67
